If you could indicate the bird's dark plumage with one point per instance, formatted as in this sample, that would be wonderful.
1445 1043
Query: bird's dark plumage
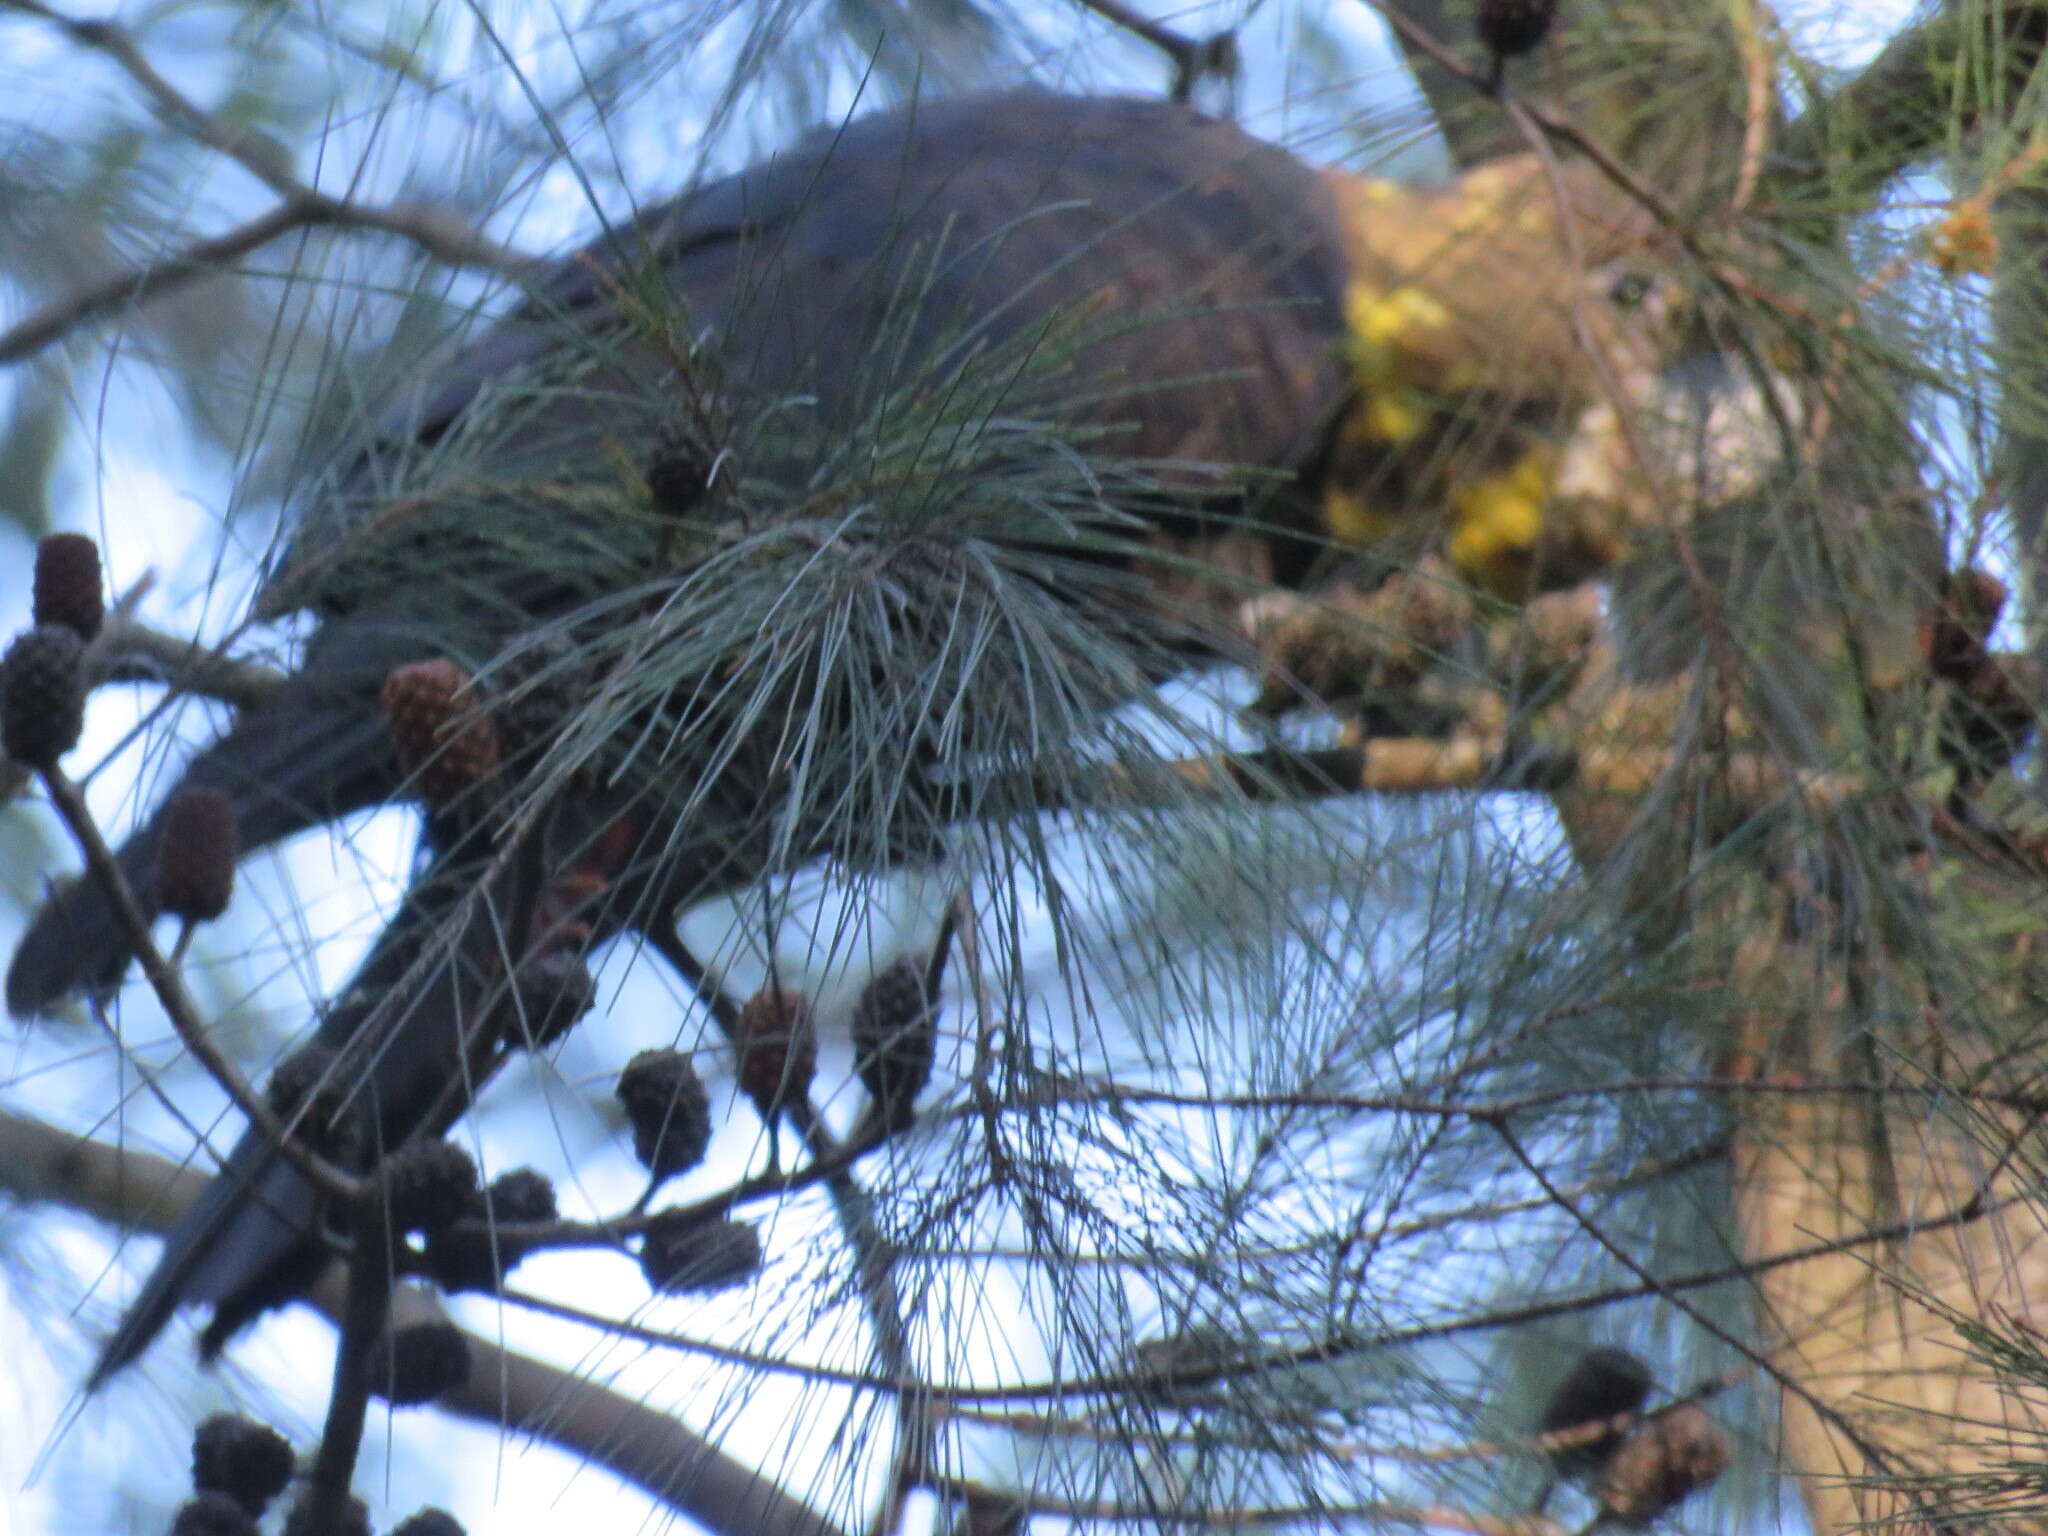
1206 270
835 271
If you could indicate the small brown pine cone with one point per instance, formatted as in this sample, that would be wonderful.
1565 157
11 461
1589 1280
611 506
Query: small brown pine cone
429 1522
466 1261
67 584
249 1462
354 1521
196 855
42 695
212 1514
555 993
679 469
443 738
1663 1461
776 1049
669 1111
307 1093
418 1363
895 1028
429 1185
1510 28
680 1253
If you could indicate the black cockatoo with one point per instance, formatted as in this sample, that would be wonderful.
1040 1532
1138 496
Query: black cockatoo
1061 347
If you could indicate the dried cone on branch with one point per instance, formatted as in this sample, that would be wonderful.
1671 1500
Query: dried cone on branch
68 586
42 695
429 1522
895 1026
1663 1461
442 737
307 1093
429 1185
461 1260
418 1363
679 469
775 1049
680 1253
1602 1385
248 1462
1510 28
196 857
669 1111
212 1514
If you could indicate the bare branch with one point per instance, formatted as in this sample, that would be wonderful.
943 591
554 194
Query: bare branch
644 1446
300 206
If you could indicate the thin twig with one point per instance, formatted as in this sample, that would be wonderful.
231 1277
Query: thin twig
365 1321
169 986
299 206
1193 58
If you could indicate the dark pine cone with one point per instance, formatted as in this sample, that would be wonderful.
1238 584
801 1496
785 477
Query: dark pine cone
248 1462
669 1111
428 1185
418 1363
679 469
196 855
1602 1384
680 1253
895 1024
42 695
212 1514
442 736
355 1518
1511 28
464 1261
307 1093
775 1049
67 584
555 992
429 1522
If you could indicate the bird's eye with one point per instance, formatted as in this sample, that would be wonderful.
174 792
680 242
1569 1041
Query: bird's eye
1629 289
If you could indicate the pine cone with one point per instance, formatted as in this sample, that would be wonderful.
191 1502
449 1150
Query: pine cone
42 695
212 1514
679 469
355 1518
463 1261
895 1026
307 1093
429 1522
248 1462
428 1185
669 1111
556 992
418 1363
681 1253
67 584
1663 1461
196 855
443 738
776 1049
1510 28
1602 1385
